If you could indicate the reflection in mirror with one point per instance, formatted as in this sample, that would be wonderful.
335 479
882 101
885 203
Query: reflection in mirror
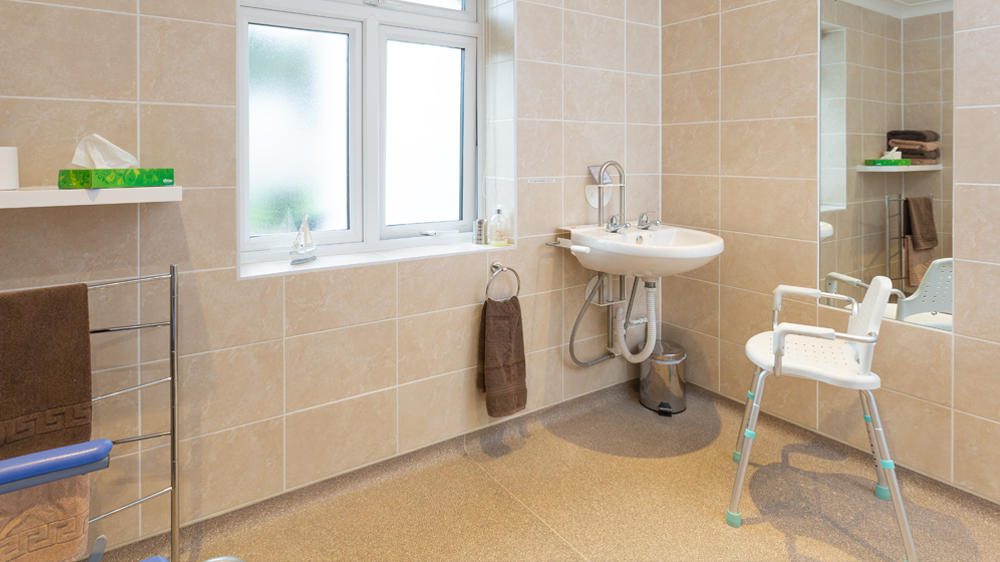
886 82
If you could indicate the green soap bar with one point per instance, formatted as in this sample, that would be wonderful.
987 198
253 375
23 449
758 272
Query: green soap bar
900 162
126 177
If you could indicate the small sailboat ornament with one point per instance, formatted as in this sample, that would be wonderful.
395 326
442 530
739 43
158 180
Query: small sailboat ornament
303 246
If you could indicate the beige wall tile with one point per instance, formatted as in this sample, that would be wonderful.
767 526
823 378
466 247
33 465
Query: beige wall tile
975 373
48 61
216 11
331 439
747 313
114 306
790 398
187 62
607 8
642 94
874 51
778 88
691 45
674 11
690 97
976 13
977 72
542 320
208 482
579 380
539 148
918 432
922 55
915 360
976 444
691 149
840 416
466 274
976 234
770 148
760 263
642 145
68 245
535 205
438 342
691 201
110 489
338 364
198 142
591 144
539 90
593 41
642 50
593 95
535 37
127 6
46 132
216 312
196 233
116 417
773 207
438 408
922 27
770 30
644 195
691 304
643 11
976 315
315 301
544 377
703 361
539 267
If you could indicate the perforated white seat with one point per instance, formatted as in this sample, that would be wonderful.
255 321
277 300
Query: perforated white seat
833 362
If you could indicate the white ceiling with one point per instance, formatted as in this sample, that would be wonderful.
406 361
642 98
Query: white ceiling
906 8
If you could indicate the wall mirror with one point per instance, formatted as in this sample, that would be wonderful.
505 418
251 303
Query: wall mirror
886 72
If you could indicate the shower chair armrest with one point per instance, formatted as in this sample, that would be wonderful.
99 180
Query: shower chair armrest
786 329
782 290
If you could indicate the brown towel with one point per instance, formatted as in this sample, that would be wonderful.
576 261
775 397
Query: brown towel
46 523
908 134
914 145
501 367
917 262
919 222
44 369
923 162
44 404
920 154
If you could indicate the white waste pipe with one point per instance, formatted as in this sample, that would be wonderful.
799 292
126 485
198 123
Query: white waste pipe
650 328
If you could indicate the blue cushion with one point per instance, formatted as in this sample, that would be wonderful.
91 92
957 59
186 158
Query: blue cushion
53 460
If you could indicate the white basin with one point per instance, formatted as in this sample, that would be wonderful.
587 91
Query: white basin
660 251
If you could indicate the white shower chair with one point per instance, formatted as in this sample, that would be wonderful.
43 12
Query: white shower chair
823 355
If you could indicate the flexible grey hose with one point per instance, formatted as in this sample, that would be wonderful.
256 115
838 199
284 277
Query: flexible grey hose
576 326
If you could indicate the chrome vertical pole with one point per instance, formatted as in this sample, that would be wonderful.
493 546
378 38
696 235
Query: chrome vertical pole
888 240
175 508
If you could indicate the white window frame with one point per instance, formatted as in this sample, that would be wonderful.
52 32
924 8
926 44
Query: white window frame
389 19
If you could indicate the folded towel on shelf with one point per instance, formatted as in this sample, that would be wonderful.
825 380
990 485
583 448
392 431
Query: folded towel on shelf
917 261
918 222
912 135
914 145
44 403
920 154
924 162
500 371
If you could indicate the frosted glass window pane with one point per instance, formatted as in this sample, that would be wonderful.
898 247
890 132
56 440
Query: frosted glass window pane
450 4
298 129
423 133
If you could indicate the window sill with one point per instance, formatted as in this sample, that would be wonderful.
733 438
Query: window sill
341 261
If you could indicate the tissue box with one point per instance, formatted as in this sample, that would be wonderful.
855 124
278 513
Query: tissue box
900 162
123 177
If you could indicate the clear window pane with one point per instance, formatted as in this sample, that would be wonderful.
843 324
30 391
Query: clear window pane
298 129
423 141
450 4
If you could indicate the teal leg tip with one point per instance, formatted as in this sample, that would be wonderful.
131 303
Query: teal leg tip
736 457
733 519
882 492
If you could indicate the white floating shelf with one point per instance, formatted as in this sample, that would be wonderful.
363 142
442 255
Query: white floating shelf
27 198
897 169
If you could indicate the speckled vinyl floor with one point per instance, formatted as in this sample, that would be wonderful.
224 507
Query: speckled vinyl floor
602 478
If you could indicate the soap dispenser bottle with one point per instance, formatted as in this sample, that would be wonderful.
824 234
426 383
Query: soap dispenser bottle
497 230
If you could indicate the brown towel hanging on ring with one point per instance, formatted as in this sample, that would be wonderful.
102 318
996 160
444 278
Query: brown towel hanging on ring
500 371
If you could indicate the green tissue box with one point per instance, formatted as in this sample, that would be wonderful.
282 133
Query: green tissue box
124 177
900 162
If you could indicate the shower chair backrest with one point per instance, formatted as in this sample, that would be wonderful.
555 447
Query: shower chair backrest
934 294
868 320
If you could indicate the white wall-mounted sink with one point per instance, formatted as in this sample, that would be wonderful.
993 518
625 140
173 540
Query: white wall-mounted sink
661 251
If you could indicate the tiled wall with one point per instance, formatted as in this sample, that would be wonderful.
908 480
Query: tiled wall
289 380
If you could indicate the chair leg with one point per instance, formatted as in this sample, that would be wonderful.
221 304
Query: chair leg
882 488
733 514
746 416
890 473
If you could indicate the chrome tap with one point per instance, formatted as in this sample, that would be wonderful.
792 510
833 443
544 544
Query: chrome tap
614 225
644 222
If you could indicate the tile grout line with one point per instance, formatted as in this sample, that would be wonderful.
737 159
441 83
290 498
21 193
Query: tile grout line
518 500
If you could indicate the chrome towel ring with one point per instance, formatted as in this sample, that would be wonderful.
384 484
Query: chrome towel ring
497 269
